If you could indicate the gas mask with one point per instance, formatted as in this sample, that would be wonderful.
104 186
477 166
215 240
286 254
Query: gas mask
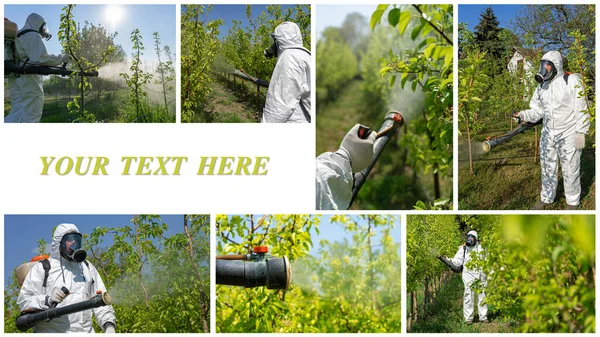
70 248
271 52
44 32
546 73
471 240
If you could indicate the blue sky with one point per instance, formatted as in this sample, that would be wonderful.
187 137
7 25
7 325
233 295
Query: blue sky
21 232
228 13
334 15
120 18
470 14
337 233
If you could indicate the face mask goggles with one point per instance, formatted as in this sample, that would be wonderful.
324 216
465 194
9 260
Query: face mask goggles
546 73
271 52
471 240
71 248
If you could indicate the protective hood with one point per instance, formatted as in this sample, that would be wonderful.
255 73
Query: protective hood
34 21
474 233
556 59
287 35
61 230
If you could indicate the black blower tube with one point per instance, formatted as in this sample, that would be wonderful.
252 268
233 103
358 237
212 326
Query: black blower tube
274 273
452 266
27 321
34 69
488 145
393 120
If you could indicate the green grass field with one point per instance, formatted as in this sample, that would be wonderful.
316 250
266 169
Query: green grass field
109 107
500 182
445 314
227 104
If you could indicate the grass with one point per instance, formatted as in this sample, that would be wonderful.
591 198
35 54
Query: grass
110 107
446 313
227 104
392 184
511 184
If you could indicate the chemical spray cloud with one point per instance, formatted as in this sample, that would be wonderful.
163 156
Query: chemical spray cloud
111 72
158 283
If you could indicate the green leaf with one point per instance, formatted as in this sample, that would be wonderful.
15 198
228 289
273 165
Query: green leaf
376 17
429 50
392 81
384 70
403 21
448 59
415 32
404 79
394 16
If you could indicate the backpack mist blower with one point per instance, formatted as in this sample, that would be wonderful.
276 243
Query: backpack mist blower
30 317
258 269
12 60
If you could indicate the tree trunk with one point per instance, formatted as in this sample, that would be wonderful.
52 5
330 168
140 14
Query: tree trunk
469 144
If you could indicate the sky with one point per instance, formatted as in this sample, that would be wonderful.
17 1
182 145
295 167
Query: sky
470 14
334 15
21 232
228 13
334 232
115 18
337 233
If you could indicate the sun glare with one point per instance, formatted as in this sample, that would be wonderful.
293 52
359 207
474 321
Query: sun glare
114 14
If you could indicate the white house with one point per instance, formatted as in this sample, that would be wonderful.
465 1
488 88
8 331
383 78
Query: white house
522 62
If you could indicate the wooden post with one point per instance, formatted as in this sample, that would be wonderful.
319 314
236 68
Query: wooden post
409 313
414 308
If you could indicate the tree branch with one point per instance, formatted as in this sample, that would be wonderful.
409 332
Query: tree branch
433 26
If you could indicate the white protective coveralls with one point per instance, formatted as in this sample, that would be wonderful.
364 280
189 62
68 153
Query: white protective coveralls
469 276
565 115
288 96
334 170
82 282
27 91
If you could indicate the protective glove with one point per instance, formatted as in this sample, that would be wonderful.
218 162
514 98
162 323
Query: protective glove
517 117
579 141
56 295
358 151
65 59
109 328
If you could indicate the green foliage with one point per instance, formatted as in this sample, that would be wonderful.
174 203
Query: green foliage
137 78
159 283
353 286
165 70
541 270
337 65
74 41
579 62
548 27
487 33
199 43
427 67
466 40
428 236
